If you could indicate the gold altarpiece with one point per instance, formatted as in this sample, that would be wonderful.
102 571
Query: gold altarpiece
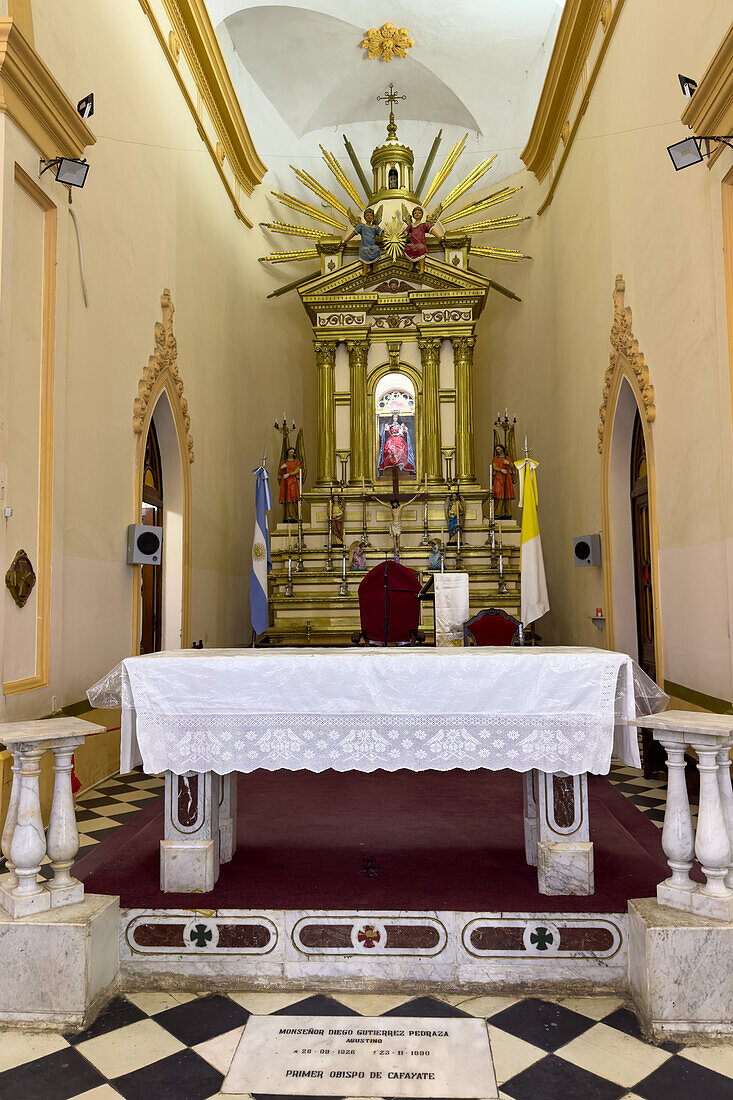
398 335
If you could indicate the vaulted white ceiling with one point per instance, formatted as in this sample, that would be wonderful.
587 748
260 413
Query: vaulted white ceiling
303 79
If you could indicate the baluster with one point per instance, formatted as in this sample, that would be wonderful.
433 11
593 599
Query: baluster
62 838
726 797
28 845
712 846
678 840
11 819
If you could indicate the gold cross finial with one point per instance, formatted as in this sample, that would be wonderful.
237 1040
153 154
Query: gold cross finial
390 96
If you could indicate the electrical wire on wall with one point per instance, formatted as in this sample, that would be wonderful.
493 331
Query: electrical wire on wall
81 256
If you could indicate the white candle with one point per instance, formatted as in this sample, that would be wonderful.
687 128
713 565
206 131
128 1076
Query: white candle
290 568
458 532
343 567
501 564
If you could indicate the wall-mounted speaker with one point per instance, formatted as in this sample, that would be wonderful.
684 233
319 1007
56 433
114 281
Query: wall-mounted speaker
587 550
144 544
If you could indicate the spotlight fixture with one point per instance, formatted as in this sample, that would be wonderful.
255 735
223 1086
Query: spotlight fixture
85 106
688 85
69 171
693 150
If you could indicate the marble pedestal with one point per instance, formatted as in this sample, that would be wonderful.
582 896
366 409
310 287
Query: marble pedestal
58 967
680 967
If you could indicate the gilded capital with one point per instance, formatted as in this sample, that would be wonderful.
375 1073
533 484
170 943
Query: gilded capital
325 352
463 347
358 352
430 349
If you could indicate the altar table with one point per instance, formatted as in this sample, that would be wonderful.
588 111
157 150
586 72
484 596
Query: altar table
552 713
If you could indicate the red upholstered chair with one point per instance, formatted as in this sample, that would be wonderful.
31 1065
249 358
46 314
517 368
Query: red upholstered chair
492 626
388 604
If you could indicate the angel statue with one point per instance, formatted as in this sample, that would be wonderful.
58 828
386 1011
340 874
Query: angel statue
395 447
503 473
291 473
455 509
371 237
417 228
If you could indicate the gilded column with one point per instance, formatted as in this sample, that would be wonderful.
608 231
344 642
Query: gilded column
359 442
325 362
463 366
430 360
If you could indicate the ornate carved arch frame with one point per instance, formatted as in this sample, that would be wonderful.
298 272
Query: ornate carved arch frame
627 362
161 374
373 378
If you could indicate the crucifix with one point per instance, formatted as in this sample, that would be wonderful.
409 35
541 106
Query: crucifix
395 503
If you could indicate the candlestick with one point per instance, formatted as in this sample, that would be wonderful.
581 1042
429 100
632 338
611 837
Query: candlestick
425 534
289 585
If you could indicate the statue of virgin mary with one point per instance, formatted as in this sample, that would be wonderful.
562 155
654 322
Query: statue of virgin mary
395 449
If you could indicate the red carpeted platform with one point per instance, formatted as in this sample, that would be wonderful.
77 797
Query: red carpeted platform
440 840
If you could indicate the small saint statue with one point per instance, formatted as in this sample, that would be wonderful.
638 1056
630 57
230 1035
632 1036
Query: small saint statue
502 482
357 555
454 511
417 228
337 520
371 237
435 557
290 469
395 450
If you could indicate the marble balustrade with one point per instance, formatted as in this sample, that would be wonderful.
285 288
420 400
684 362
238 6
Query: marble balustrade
25 843
710 736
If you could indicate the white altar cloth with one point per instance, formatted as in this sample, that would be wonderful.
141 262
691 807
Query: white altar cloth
556 709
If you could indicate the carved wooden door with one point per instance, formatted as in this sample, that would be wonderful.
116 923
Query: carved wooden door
642 552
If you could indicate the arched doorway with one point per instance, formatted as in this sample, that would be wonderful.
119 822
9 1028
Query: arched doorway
151 576
639 488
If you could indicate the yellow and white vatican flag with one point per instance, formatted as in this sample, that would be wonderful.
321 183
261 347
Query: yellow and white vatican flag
535 602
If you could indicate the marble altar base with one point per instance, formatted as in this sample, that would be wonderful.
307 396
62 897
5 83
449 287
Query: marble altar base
680 967
59 967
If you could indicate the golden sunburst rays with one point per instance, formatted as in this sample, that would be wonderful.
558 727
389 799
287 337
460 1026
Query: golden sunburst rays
309 210
393 238
393 232
291 257
482 204
341 176
468 182
445 169
295 230
507 222
498 253
318 189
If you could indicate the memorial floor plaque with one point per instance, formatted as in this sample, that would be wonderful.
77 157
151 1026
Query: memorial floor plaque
370 1056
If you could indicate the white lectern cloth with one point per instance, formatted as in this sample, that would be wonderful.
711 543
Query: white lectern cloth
556 709
451 608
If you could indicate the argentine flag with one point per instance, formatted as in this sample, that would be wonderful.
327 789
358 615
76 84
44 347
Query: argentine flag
261 564
535 602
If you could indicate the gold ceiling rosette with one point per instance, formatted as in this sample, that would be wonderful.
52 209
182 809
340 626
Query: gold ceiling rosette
386 42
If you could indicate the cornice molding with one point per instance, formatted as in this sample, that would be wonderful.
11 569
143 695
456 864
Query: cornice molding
710 111
35 101
197 42
560 109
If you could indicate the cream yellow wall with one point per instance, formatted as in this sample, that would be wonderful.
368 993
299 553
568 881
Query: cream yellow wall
621 209
153 214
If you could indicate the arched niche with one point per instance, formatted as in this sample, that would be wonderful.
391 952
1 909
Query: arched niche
627 390
160 401
383 378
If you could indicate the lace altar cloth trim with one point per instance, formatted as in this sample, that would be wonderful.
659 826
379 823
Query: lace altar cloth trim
555 708
366 742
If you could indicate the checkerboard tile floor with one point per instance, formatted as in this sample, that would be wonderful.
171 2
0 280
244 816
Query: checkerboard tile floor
178 1046
648 795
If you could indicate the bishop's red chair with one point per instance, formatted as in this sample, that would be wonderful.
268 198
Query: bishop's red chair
388 606
492 626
